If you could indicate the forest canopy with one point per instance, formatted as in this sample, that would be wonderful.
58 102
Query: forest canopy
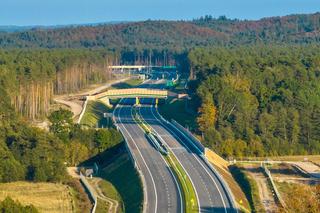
172 35
267 99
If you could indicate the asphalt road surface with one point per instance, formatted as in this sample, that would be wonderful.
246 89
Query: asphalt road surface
211 194
162 190
162 194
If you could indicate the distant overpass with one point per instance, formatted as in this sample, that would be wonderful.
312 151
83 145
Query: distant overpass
136 93
139 67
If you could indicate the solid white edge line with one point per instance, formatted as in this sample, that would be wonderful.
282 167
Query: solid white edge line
224 205
198 200
154 185
178 186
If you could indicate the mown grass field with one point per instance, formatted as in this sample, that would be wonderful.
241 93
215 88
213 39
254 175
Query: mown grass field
93 116
46 197
102 206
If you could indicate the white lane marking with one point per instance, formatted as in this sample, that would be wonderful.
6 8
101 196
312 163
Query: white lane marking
154 185
198 201
224 205
174 177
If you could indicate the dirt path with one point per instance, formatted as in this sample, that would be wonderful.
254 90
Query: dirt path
265 193
113 204
76 105
310 168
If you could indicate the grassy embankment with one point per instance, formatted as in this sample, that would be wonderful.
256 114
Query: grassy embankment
46 197
222 166
93 116
120 180
188 192
248 186
122 183
176 109
133 82
109 191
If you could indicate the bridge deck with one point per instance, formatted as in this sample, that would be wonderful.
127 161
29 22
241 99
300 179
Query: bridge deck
133 92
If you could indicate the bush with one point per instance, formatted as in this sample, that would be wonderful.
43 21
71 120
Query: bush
10 206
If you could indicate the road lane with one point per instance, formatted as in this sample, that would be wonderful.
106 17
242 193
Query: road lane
211 193
162 191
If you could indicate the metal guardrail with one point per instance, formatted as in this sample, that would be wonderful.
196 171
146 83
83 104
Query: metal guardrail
91 192
274 187
198 144
189 135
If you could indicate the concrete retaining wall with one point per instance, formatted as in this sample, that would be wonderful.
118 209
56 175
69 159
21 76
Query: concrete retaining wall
91 192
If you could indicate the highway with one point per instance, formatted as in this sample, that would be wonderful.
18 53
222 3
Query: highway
211 193
162 192
212 196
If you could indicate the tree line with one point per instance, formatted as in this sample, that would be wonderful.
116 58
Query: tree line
29 153
32 77
171 35
258 100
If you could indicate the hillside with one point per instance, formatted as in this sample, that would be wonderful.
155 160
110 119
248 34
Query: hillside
172 35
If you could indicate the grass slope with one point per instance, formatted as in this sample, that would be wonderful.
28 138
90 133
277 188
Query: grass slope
46 197
249 187
93 116
133 82
175 109
125 179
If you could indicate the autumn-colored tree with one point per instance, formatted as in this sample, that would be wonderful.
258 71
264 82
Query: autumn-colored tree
207 115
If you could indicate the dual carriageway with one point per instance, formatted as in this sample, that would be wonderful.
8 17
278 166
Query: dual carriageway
162 192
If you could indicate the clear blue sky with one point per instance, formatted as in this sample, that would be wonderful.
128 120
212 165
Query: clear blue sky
56 12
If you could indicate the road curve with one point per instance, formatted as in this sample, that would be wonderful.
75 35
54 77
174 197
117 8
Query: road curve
162 194
212 196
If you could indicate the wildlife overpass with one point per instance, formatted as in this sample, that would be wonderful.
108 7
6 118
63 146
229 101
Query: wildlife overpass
136 93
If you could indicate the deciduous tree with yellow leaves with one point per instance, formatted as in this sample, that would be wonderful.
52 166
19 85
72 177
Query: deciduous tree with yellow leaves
207 115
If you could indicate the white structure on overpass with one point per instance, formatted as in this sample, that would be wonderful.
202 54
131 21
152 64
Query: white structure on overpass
129 93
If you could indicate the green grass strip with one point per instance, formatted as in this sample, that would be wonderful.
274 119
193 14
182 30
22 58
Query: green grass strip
188 192
189 196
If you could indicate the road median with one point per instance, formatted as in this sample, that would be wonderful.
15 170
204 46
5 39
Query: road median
190 201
